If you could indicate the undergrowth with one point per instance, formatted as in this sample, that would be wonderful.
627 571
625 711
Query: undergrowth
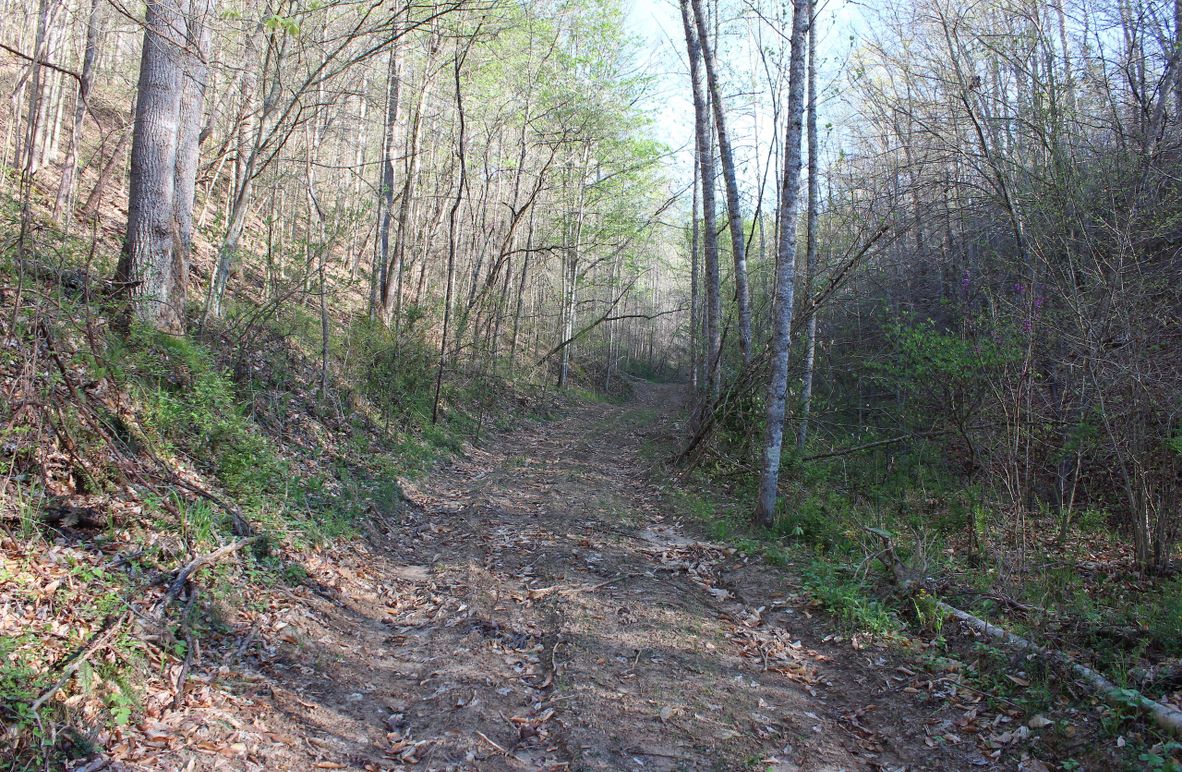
151 449
833 514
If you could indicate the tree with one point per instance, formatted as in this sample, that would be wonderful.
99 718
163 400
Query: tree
154 265
730 177
777 388
712 353
810 344
64 203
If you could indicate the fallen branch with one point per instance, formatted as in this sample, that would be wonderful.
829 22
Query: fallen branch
113 624
1165 716
878 444
199 562
75 660
190 647
487 739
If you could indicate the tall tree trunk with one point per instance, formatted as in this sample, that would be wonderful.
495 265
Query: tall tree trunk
730 178
529 240
461 184
695 308
26 156
713 311
777 392
570 283
379 297
153 267
194 78
63 207
318 251
810 348
250 137
402 233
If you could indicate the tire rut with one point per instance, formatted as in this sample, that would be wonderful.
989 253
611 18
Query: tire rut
537 608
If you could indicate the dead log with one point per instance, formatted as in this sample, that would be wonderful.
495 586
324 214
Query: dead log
1165 716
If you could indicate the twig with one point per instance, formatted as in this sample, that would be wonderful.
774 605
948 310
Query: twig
189 648
33 60
494 744
199 562
74 661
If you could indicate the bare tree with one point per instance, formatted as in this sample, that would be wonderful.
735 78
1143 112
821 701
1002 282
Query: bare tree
777 389
712 353
810 350
730 177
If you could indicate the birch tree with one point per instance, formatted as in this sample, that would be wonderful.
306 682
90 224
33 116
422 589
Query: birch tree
730 178
712 351
777 388
810 343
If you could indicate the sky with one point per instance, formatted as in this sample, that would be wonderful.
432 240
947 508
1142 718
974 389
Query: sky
661 55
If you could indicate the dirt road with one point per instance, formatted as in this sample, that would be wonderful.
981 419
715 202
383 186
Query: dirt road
538 608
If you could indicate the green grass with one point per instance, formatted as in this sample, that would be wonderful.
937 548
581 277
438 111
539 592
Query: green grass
798 542
301 471
850 599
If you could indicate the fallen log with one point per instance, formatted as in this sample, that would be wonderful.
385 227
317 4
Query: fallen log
1165 716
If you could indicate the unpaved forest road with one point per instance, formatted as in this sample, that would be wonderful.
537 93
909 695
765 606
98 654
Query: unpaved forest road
535 609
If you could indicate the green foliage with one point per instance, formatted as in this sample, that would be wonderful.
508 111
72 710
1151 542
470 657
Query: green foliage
820 517
1160 613
1174 442
189 405
926 354
285 24
18 676
1167 757
395 373
850 599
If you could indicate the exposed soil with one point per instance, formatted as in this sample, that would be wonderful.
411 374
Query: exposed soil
536 608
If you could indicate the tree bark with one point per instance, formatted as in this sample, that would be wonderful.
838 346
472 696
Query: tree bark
250 128
730 178
153 267
63 207
810 347
713 311
379 300
461 183
777 392
695 315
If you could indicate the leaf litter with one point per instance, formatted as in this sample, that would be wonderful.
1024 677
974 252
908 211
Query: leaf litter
506 618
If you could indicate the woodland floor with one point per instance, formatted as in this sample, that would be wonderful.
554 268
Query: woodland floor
534 608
